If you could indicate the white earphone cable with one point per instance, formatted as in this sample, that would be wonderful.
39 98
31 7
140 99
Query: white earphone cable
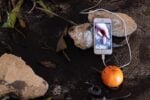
84 11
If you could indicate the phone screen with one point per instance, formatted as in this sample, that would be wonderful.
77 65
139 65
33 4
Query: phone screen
103 38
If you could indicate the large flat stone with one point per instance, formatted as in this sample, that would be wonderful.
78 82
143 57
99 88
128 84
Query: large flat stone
20 78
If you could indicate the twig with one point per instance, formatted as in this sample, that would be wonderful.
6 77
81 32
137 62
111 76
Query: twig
50 12
33 7
95 69
121 97
66 56
9 5
7 46
20 32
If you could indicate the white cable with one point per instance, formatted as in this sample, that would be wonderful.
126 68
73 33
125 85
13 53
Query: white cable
84 11
125 31
103 59
129 48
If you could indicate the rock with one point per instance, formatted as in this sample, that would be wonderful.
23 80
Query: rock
57 90
4 89
82 35
117 24
145 51
19 79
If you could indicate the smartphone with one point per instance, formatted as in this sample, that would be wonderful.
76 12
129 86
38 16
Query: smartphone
102 28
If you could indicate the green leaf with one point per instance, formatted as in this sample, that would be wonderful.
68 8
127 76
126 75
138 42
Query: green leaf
45 8
49 98
12 16
41 3
48 12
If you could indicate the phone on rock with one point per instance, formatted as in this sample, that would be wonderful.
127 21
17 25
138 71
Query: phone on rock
102 28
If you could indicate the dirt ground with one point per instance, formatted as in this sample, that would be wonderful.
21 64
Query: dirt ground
37 42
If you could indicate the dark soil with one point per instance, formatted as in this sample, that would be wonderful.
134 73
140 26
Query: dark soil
37 42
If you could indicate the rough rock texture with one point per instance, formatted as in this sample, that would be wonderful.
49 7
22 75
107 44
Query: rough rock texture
145 51
82 36
117 24
19 78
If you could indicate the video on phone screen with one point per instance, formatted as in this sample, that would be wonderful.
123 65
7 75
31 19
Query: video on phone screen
103 36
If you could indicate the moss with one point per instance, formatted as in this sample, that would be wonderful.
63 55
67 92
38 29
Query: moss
146 12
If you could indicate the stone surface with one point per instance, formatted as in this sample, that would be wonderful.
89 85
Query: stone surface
82 36
19 78
145 51
117 24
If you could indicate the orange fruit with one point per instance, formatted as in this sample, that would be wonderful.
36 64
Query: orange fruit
112 76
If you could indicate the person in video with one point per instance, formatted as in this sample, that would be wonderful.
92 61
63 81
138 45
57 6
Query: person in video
102 36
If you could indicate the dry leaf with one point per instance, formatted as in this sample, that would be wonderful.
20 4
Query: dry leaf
22 23
65 31
48 64
61 45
